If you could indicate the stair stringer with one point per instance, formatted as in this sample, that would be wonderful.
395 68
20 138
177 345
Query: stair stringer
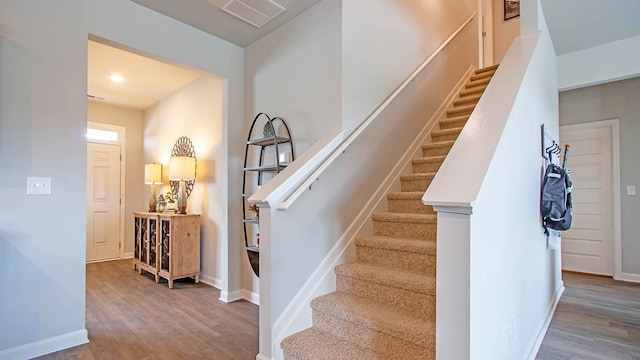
297 314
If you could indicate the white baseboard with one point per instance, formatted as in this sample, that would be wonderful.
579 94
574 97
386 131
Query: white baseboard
537 342
251 296
262 357
211 281
127 255
46 346
232 296
297 315
630 277
244 294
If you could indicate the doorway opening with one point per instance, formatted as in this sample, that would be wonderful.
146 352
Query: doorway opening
105 191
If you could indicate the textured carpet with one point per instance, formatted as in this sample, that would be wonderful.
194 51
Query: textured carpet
384 304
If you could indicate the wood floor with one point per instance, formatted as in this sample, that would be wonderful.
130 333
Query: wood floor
129 316
597 318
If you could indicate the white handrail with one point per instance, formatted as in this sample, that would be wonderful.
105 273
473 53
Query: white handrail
352 137
279 187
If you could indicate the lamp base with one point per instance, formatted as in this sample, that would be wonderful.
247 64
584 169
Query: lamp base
152 199
181 204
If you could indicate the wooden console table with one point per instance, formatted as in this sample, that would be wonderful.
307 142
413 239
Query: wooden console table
167 245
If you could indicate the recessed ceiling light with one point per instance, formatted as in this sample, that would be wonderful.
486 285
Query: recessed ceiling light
116 78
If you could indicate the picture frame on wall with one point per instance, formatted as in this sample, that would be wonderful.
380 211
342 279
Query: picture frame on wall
511 9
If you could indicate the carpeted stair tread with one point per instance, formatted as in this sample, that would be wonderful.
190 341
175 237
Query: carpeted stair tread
437 145
420 176
428 160
487 69
377 317
477 83
405 195
453 122
397 244
461 110
393 278
473 99
405 218
472 91
482 75
416 182
314 344
453 131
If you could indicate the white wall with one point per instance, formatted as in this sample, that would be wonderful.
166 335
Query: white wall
617 60
43 61
42 125
615 100
385 41
131 120
194 111
294 73
504 31
137 29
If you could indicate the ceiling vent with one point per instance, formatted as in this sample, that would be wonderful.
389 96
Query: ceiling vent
255 12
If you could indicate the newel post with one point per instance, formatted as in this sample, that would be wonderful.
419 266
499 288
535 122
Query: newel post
266 325
453 325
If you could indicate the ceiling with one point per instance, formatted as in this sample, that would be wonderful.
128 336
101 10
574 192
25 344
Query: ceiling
146 81
574 25
580 24
207 16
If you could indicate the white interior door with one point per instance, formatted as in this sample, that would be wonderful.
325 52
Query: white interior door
103 202
486 32
588 246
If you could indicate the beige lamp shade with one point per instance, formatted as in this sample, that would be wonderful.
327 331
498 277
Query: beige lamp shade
153 174
182 168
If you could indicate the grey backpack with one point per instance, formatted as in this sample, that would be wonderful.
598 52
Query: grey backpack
556 205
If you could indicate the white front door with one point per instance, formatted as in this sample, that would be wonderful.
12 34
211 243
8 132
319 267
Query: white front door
588 245
103 202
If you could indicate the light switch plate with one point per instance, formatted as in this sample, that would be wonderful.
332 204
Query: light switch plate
38 186
631 189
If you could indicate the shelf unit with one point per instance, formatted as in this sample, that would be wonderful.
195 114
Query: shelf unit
262 162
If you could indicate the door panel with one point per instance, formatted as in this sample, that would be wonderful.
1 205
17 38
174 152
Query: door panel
103 201
588 245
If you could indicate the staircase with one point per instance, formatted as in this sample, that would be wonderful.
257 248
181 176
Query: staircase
384 306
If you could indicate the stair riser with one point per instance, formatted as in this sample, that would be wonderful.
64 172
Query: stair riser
395 259
416 304
444 137
426 167
426 152
405 230
477 86
388 347
484 75
470 100
444 125
414 185
409 206
477 83
471 92
459 112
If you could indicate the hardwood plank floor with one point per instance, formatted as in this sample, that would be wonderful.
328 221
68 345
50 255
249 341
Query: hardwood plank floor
129 316
597 318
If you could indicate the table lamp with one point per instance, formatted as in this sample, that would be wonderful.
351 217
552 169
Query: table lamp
153 176
182 168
